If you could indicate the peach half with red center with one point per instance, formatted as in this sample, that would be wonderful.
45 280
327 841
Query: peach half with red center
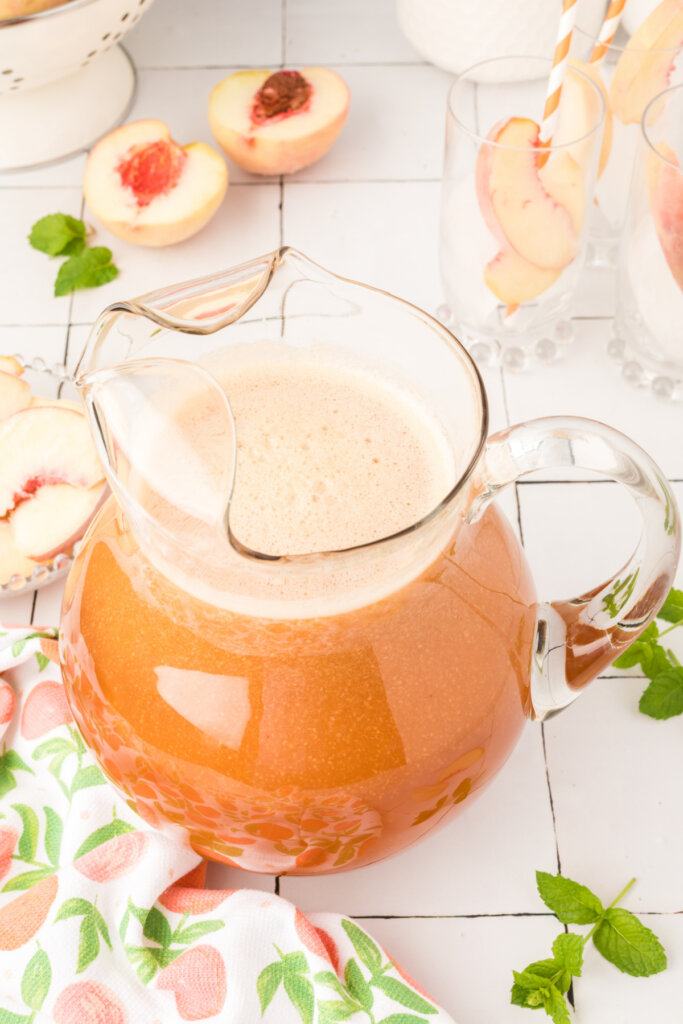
278 122
147 189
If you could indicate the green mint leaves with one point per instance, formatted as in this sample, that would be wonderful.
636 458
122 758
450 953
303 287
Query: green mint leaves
616 933
87 270
58 234
664 696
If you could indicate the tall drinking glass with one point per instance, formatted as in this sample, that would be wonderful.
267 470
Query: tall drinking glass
631 73
513 213
649 321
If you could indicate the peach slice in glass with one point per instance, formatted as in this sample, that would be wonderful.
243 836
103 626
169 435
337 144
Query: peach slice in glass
665 193
535 211
646 64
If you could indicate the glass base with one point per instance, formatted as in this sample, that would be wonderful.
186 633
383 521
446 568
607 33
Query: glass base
667 386
541 347
602 254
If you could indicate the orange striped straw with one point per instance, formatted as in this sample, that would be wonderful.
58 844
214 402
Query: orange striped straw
559 69
608 30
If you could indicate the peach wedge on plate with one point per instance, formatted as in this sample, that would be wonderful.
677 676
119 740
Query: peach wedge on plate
147 189
51 481
278 122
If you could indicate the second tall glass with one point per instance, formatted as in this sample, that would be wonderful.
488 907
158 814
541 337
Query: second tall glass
513 215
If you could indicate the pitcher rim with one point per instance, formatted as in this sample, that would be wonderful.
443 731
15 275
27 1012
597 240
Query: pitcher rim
274 259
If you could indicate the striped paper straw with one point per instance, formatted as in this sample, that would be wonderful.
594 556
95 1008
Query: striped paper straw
609 27
559 69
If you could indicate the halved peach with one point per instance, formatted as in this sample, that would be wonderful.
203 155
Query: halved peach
278 122
665 193
15 394
147 189
537 211
645 66
43 445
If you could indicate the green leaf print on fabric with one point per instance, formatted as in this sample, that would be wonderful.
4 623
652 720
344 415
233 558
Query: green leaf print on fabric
10 762
156 928
356 995
36 981
92 928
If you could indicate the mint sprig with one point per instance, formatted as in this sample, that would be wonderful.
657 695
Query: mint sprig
663 698
616 933
59 234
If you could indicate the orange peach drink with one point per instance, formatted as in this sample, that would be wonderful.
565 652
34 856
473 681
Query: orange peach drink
285 740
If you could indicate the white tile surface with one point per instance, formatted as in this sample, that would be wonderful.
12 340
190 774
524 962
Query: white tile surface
369 209
382 233
467 965
343 32
458 870
395 126
244 32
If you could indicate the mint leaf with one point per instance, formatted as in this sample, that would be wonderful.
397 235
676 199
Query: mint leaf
570 902
89 269
555 1006
672 609
58 233
568 951
628 944
664 696
647 652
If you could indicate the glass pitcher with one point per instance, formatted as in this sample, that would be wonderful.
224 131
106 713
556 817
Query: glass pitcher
307 700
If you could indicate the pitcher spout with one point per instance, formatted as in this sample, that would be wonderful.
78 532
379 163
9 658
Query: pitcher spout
166 437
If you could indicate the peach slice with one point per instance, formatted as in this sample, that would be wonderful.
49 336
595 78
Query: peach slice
577 113
665 192
145 188
645 65
535 211
514 280
53 520
43 445
12 562
15 394
278 122
8 364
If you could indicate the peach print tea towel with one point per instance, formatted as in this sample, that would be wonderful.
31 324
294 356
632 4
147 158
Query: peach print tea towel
104 920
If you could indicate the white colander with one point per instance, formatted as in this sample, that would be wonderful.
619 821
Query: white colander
64 79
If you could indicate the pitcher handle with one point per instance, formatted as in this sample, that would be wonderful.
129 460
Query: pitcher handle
576 639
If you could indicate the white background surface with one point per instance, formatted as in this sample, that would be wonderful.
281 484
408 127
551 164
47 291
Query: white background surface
596 791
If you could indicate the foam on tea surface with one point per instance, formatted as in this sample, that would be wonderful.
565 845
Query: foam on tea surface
329 459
